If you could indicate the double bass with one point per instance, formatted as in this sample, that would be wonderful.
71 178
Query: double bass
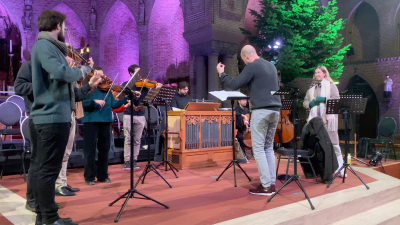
285 129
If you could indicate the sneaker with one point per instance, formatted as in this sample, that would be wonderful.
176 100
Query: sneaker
341 174
260 190
107 180
127 165
135 166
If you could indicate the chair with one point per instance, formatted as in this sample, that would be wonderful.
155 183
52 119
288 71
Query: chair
26 135
19 101
289 152
10 115
386 129
154 121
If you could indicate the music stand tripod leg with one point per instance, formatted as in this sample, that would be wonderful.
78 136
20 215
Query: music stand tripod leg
234 161
130 193
149 167
165 160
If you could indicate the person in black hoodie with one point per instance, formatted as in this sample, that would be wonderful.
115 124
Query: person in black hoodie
262 79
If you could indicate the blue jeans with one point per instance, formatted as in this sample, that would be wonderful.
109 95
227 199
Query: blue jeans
263 125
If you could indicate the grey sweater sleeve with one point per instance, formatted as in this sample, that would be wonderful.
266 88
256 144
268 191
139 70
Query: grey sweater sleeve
57 69
23 82
244 78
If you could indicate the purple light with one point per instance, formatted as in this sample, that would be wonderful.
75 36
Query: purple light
74 24
168 50
119 42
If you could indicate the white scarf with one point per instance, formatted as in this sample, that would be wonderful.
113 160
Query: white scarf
314 112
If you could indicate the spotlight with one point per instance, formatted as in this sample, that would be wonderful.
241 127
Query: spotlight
278 43
276 46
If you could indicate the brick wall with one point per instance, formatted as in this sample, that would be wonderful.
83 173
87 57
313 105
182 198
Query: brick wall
118 42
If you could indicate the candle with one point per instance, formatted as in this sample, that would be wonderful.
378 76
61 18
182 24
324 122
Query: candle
10 46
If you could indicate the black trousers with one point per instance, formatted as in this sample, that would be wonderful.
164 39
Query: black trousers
48 154
96 133
29 192
239 137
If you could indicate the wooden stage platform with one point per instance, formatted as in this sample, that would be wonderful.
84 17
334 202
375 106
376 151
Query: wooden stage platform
196 198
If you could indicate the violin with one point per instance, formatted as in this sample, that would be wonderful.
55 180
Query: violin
146 83
78 58
106 84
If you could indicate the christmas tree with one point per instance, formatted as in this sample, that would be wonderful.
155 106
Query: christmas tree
299 35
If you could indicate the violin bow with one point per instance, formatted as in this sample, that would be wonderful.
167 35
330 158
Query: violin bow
145 79
109 90
111 86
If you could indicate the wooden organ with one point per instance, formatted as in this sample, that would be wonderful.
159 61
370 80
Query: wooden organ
199 138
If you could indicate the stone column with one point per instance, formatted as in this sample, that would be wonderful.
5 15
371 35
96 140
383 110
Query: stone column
229 68
213 79
201 79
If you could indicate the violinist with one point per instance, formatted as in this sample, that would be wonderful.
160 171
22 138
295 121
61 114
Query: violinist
52 84
138 121
242 122
97 121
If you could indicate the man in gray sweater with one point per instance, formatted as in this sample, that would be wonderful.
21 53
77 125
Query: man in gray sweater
54 101
262 79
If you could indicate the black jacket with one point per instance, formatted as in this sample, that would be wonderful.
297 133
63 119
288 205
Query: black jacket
316 132
23 86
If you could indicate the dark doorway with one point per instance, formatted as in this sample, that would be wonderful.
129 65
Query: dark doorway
365 125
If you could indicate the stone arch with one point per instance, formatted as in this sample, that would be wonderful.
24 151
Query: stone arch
119 42
168 50
366 125
7 11
364 32
75 26
397 29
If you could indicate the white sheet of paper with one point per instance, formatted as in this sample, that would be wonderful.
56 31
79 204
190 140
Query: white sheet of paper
223 95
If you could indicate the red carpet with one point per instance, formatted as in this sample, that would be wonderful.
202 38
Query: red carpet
195 198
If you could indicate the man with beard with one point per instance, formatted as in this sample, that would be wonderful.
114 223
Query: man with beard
181 98
54 101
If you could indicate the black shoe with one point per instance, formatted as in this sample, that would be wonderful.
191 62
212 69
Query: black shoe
127 165
62 221
30 205
63 191
135 166
89 182
72 189
107 180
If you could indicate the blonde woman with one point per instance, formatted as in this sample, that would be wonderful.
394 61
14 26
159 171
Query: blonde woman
315 100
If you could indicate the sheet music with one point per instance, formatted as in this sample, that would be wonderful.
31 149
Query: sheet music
129 84
223 95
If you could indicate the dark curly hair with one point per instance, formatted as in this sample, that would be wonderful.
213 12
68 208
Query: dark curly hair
49 19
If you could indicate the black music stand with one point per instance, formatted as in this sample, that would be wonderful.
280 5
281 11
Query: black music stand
346 104
130 193
164 98
286 105
149 167
297 86
234 161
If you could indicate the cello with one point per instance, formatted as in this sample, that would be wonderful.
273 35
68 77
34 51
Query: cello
285 129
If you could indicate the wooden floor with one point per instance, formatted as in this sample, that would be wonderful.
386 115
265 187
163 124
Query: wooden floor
196 197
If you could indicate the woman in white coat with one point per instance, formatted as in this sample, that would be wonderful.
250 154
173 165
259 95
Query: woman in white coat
315 100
